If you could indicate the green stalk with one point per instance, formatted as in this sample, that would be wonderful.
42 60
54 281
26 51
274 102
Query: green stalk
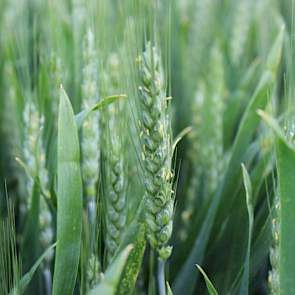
151 286
161 277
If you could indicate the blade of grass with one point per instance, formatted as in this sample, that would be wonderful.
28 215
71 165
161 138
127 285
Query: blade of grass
69 200
210 287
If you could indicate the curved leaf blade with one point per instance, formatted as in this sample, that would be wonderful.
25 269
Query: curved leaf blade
82 116
210 287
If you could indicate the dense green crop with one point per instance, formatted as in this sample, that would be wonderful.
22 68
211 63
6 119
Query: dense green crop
147 147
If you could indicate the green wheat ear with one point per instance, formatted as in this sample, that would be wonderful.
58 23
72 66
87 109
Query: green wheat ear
90 131
156 150
31 120
116 164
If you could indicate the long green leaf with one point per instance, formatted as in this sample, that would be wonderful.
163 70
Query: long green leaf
69 201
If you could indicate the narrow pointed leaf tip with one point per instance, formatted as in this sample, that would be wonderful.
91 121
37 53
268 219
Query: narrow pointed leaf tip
169 290
210 287
248 186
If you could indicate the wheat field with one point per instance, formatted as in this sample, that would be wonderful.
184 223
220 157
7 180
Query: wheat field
147 147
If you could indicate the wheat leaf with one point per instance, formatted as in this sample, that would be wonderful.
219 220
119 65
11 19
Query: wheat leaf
69 201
